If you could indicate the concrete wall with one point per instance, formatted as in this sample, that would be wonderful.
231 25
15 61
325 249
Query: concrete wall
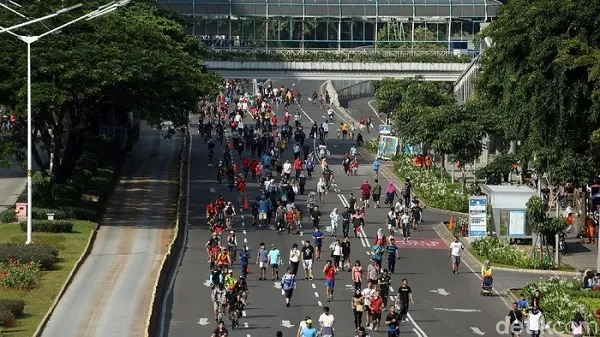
348 90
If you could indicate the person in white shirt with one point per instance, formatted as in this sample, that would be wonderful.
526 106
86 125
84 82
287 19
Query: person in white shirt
287 168
534 319
295 258
326 321
456 248
325 128
398 207
405 219
368 293
353 150
335 218
392 222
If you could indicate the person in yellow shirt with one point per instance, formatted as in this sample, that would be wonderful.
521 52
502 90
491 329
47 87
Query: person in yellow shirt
344 127
486 269
229 279
223 259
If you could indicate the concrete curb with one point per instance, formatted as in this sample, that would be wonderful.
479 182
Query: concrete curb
391 175
167 268
88 249
445 234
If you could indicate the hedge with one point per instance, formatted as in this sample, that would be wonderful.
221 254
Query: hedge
49 226
105 173
335 56
7 319
16 307
45 255
8 215
42 213
80 213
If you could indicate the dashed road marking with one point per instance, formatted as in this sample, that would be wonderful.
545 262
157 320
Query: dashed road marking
244 231
319 303
246 325
244 313
314 286
245 240
316 294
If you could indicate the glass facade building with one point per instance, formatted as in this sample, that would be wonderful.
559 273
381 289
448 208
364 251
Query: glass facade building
314 24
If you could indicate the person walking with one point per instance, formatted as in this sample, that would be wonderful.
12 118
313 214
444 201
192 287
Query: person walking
244 260
384 286
357 275
535 319
456 249
308 330
329 271
578 325
346 250
346 217
376 193
336 254
373 272
393 322
274 261
326 320
295 258
308 256
318 237
376 308
391 251
406 226
334 216
368 294
404 296
358 307
515 320
288 284
262 260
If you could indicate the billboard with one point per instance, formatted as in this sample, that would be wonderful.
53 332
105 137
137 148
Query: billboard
387 148
477 216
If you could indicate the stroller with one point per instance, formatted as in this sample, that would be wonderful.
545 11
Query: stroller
486 285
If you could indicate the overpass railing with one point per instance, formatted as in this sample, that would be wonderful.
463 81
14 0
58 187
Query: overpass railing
343 55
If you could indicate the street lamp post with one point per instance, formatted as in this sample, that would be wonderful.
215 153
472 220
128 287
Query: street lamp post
29 40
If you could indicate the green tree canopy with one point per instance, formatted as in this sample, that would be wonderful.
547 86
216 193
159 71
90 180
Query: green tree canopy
540 81
137 60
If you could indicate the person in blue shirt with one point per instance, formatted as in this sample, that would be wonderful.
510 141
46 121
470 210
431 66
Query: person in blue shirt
376 166
266 161
308 330
318 237
288 284
391 252
244 260
263 211
378 254
274 261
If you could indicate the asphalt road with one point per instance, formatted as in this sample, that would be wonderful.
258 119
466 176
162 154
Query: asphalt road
111 294
445 304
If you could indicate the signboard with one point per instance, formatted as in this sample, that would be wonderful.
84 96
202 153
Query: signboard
516 223
388 146
477 216
385 129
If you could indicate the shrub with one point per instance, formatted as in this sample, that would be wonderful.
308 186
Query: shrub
7 319
16 307
67 191
81 175
89 205
559 304
49 226
499 251
8 216
19 275
107 174
80 213
98 184
87 163
42 213
45 255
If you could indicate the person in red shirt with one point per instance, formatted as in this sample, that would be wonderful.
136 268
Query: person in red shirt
274 121
329 272
240 185
376 306
287 117
211 211
219 203
298 166
254 167
290 218
246 166
365 192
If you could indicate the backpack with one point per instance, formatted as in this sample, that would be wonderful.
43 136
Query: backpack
310 165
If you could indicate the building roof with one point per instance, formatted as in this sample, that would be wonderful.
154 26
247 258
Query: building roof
337 8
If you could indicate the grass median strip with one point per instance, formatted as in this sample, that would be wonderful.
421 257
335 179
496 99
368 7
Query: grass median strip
39 299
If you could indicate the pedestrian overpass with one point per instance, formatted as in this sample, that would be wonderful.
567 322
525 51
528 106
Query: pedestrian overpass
337 65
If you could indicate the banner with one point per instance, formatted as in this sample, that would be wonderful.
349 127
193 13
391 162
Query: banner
388 146
385 129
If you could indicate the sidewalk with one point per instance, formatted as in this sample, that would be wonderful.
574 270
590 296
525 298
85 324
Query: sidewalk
12 182
111 293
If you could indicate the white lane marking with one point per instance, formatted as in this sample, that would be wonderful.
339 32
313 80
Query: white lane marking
202 321
417 332
212 190
440 291
457 310
185 239
248 335
246 325
375 110
307 116
210 165
319 303
477 331
316 294
245 240
391 289
323 116
244 313
244 231
314 286
423 334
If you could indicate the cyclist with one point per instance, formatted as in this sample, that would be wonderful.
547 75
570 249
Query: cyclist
229 215
241 287
211 211
223 260
212 242
232 246
229 280
220 330
220 171
219 300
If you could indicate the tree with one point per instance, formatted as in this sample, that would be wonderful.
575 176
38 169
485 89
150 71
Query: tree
137 59
398 35
541 82
537 217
